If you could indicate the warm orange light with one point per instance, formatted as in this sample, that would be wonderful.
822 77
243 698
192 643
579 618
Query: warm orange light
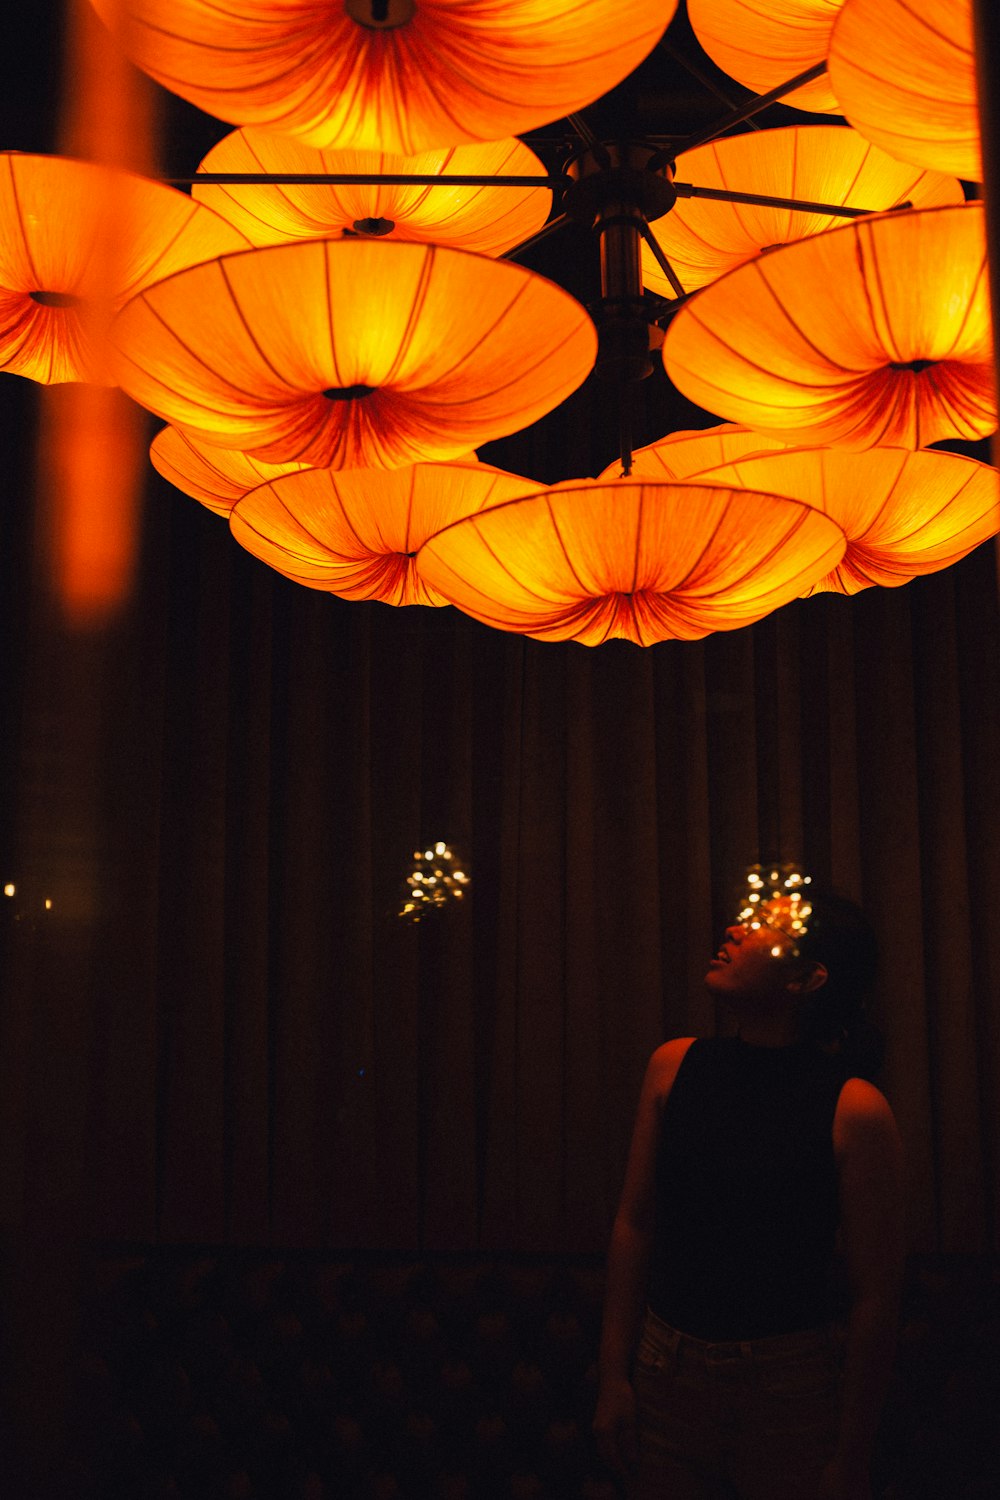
595 560
875 333
762 43
353 353
905 75
218 477
489 220
431 73
76 240
818 163
356 533
903 513
681 455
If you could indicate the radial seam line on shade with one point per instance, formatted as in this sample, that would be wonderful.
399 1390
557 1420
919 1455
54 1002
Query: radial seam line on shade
820 353
20 224
563 548
891 341
190 400
413 317
249 332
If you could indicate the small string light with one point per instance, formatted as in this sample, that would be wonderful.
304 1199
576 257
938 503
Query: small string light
777 900
437 879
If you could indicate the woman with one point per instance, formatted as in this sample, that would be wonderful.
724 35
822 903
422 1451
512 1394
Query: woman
754 1159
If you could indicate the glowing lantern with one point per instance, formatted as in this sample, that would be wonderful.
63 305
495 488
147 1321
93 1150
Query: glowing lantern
353 353
77 240
356 532
683 454
762 43
390 75
905 76
594 560
489 220
827 341
818 163
903 513
218 477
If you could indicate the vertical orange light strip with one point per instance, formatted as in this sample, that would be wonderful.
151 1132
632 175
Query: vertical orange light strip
92 438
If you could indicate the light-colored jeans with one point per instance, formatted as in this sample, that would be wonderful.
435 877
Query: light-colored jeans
750 1420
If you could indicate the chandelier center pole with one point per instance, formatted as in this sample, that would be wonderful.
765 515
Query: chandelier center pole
380 15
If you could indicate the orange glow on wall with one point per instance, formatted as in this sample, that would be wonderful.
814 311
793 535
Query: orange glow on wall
356 533
595 560
353 353
77 239
875 333
818 163
903 513
762 43
905 75
431 73
489 220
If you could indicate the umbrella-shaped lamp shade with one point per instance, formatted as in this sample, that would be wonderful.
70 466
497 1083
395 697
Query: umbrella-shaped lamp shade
875 333
356 532
683 454
905 75
353 353
819 163
592 560
762 43
903 513
402 76
76 241
217 477
489 220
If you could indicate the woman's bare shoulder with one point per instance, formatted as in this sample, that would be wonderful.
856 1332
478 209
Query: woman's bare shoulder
664 1063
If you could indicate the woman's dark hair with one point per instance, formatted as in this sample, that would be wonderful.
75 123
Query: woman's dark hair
834 1017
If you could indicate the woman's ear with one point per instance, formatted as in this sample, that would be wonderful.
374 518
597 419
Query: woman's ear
815 975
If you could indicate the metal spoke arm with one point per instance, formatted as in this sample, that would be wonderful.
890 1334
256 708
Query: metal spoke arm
754 106
800 205
361 179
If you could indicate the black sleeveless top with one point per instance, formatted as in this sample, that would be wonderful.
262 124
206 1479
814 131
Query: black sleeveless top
746 1191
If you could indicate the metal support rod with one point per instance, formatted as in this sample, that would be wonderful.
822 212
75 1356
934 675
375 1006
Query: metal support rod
550 228
661 259
801 205
754 106
361 179
701 77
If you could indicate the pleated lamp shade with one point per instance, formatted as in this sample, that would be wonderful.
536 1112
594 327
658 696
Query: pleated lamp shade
356 532
818 163
489 220
596 560
905 75
217 477
683 454
429 73
903 513
353 353
762 43
875 333
77 240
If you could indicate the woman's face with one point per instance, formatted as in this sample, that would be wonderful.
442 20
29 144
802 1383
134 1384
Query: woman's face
754 961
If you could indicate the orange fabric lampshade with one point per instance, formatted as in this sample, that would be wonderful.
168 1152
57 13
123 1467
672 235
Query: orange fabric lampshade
218 477
903 513
820 163
594 560
77 240
353 353
432 73
356 532
762 43
875 333
683 454
489 220
905 75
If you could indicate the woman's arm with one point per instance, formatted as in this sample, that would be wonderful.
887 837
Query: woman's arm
628 1265
870 1173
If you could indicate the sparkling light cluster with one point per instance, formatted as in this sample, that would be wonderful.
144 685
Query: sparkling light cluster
435 881
775 899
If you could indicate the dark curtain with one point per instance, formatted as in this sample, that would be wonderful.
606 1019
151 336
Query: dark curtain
222 1032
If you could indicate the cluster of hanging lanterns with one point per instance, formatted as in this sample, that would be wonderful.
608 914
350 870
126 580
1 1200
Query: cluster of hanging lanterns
329 354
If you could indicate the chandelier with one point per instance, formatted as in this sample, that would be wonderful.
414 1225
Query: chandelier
337 315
